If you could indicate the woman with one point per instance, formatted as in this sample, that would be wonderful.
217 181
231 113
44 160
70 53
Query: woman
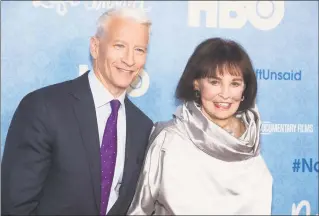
207 160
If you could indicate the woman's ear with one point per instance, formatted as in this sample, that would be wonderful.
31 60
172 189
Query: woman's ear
196 85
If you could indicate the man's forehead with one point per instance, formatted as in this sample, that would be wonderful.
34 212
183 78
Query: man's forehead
117 22
123 27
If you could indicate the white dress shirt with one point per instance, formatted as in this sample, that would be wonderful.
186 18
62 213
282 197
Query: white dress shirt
102 98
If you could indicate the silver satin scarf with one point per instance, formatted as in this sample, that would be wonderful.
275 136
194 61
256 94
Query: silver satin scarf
217 142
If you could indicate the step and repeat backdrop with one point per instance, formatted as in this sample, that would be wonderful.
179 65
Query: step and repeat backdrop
45 42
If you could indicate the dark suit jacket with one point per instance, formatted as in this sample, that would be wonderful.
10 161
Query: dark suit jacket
51 160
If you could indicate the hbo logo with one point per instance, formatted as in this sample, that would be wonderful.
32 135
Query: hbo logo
263 15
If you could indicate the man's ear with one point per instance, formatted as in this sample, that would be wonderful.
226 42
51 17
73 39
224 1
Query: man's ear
94 47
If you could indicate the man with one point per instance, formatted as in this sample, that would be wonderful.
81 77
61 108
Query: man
77 147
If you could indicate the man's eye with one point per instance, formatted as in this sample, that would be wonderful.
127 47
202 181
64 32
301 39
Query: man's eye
140 50
119 45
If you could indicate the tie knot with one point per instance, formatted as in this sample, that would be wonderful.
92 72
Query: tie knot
115 105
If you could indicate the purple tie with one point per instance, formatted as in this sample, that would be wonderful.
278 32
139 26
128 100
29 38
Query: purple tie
108 155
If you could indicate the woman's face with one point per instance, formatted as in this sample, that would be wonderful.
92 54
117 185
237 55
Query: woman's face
220 95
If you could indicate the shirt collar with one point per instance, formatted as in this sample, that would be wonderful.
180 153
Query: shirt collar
101 95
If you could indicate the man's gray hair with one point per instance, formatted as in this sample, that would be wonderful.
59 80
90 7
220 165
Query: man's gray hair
136 14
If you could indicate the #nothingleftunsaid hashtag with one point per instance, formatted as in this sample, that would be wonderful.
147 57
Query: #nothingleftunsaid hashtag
305 165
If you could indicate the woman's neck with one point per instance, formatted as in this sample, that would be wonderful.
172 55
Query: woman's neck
232 124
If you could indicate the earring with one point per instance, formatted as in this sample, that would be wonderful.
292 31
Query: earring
243 98
197 94
197 98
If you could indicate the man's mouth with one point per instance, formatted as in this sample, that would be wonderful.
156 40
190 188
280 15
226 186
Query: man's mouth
125 70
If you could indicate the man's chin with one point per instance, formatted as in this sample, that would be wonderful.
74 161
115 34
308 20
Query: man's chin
123 86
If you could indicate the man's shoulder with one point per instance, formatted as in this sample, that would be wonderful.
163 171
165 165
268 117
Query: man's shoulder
38 101
54 91
53 88
46 93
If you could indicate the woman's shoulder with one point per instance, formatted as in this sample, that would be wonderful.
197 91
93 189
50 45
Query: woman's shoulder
165 131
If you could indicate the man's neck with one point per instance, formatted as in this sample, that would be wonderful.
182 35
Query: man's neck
116 92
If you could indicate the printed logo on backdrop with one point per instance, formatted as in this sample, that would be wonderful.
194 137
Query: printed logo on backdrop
263 15
62 7
269 128
269 74
138 87
303 205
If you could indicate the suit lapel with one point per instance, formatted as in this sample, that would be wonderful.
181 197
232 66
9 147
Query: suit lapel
86 120
131 150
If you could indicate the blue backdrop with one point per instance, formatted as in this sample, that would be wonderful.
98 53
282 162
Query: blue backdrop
44 42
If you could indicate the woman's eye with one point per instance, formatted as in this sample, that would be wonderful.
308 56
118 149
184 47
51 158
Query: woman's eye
214 82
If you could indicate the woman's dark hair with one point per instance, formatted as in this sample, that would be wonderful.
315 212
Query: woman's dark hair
206 61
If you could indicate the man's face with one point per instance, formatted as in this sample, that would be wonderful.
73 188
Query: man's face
120 53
